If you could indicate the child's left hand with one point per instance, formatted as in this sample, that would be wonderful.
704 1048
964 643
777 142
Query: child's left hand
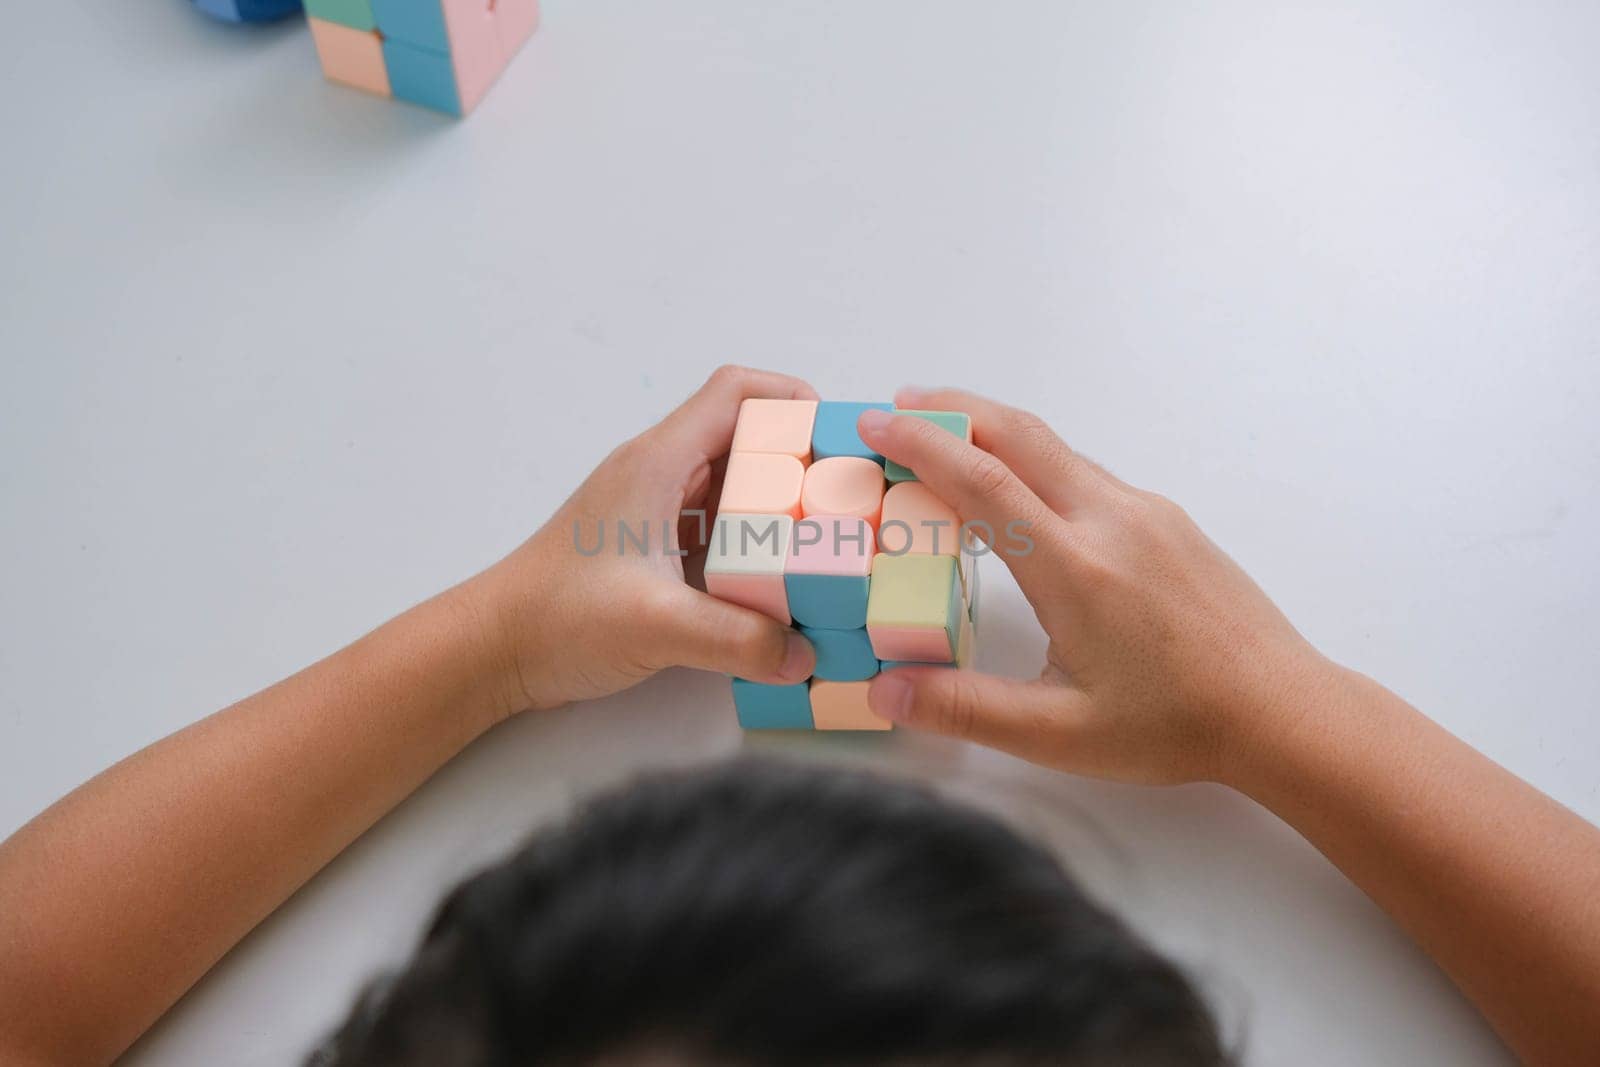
574 626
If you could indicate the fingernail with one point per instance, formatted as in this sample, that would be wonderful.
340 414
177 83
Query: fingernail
799 660
874 420
890 697
910 395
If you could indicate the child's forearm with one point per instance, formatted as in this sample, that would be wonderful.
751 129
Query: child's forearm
121 895
1497 882
118 898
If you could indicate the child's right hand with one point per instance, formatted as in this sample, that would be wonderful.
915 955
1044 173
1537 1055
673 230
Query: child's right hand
1167 664
1165 659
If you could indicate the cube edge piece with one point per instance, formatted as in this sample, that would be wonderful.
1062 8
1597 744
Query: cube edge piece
772 707
735 477
906 638
830 596
898 490
850 411
853 715
337 48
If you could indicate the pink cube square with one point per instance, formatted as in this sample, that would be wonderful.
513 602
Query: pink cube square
831 544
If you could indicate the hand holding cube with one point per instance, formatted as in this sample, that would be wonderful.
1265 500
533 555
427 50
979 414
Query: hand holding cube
800 476
577 612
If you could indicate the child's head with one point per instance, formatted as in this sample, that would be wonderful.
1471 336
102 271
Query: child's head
768 914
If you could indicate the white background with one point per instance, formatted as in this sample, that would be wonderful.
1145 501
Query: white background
278 360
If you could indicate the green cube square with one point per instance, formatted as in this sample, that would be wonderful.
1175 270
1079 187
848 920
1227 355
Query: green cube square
357 14
914 608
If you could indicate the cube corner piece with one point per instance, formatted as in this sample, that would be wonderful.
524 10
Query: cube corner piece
956 422
745 562
966 650
422 76
775 427
351 56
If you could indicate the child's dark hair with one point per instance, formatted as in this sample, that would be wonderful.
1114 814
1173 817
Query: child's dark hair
769 914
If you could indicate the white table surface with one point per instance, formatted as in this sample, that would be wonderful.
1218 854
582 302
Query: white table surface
278 360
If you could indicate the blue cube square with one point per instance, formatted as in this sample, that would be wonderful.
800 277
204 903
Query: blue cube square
772 707
828 601
221 9
421 76
419 23
833 433
842 655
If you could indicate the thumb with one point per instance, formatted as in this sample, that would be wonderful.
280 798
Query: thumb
1002 713
695 629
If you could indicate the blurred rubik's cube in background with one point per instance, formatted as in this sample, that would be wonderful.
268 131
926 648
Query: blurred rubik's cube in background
442 54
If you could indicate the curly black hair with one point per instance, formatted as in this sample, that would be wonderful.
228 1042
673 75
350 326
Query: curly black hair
776 915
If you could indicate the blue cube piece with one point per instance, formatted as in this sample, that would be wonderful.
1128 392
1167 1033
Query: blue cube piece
842 655
248 10
828 601
833 433
419 23
266 10
421 76
772 707
220 9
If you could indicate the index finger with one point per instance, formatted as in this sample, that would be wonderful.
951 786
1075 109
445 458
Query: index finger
1062 477
976 483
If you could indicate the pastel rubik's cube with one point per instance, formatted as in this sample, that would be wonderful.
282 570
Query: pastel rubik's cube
808 533
442 54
